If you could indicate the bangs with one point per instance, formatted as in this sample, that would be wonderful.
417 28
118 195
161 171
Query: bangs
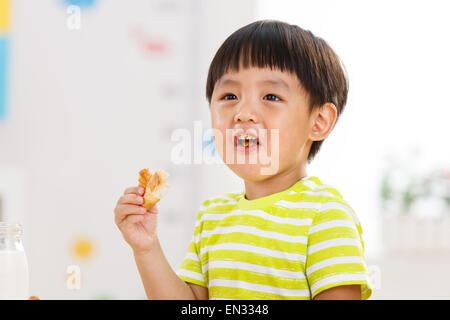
261 45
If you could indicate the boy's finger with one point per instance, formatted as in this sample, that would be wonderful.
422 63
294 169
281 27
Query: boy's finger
123 210
132 219
131 198
135 190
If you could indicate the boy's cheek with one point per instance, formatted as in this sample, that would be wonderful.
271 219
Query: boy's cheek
222 142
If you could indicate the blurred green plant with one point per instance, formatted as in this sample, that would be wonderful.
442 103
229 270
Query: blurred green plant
434 185
386 190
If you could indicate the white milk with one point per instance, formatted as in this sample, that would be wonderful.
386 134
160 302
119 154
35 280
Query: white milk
13 275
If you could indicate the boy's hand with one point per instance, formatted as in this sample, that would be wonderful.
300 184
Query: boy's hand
137 225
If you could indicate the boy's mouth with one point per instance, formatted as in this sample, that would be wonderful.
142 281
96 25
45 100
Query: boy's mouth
246 140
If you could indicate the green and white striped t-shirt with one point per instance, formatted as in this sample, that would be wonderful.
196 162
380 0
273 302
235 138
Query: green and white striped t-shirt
289 245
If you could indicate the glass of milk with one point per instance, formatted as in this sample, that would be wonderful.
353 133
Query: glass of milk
13 263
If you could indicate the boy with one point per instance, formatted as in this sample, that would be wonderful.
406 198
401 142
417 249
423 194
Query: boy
288 236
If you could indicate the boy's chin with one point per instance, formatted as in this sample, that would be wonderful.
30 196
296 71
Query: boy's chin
251 172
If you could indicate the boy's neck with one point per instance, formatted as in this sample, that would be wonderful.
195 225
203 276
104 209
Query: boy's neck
274 184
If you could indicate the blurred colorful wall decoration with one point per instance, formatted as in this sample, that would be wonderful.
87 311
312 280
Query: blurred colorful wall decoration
4 50
80 3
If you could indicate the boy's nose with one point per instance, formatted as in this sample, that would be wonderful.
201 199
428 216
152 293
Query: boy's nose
246 114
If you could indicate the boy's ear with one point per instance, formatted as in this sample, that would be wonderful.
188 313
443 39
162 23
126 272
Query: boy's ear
323 120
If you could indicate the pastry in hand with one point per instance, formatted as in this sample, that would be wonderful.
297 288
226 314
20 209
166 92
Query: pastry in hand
155 186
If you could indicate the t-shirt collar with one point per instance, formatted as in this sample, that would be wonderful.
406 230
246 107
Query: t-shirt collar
266 201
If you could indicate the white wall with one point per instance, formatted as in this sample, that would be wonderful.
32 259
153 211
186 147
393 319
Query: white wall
88 109
396 55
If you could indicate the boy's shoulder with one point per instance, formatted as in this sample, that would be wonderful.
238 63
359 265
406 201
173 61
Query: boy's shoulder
229 198
312 189
327 198
314 186
312 193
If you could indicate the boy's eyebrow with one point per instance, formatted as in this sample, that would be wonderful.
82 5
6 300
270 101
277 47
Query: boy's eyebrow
277 82
274 82
226 81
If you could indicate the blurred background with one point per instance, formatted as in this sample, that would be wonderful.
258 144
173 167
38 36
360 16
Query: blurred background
92 91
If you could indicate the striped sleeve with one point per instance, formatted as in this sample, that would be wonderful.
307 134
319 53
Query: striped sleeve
335 251
191 267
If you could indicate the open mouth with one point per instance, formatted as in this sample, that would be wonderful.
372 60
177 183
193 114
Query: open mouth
246 141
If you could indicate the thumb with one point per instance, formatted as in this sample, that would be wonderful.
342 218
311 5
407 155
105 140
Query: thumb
153 209
150 221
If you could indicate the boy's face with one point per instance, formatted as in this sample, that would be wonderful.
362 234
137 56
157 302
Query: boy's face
257 101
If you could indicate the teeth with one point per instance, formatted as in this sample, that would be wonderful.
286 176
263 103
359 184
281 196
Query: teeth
247 140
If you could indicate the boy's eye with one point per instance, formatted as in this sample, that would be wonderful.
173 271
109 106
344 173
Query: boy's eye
271 97
229 96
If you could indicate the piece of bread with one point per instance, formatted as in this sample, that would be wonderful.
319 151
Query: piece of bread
155 186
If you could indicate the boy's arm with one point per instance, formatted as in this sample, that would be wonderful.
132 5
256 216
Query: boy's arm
348 292
159 280
200 292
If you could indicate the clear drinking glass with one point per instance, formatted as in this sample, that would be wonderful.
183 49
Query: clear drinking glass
13 263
